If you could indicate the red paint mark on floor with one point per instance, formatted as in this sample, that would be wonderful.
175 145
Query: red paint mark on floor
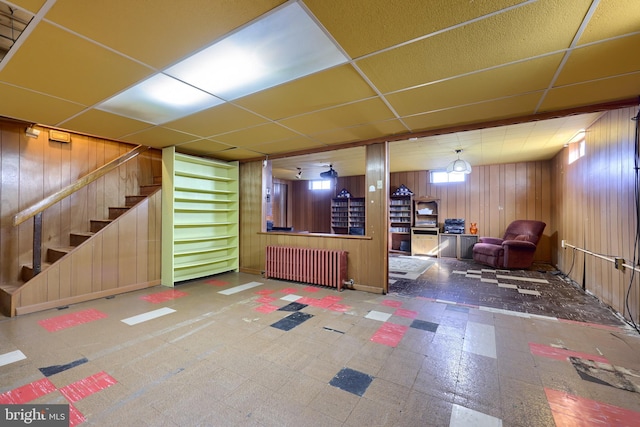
389 334
266 308
569 410
591 325
562 354
266 300
73 319
311 289
87 386
339 307
333 298
406 313
264 292
164 296
391 303
75 416
289 290
215 282
27 392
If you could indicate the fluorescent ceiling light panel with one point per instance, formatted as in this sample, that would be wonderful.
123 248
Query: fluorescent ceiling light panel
158 100
278 48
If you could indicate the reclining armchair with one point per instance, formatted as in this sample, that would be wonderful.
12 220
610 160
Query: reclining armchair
514 250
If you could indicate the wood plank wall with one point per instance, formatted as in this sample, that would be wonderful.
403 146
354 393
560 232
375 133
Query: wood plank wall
123 257
32 169
593 208
492 196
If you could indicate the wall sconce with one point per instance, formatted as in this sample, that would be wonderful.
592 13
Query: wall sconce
459 165
32 132
299 174
268 198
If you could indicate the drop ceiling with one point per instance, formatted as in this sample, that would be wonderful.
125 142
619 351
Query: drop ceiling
412 68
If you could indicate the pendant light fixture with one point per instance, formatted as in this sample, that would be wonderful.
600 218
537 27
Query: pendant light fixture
459 165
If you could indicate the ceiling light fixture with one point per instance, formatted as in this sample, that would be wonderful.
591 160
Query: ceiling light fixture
459 165
32 132
299 174
280 47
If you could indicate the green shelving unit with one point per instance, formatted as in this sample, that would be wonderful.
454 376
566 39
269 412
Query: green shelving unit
199 217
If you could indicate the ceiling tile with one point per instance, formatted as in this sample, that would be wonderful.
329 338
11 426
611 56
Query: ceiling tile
235 154
101 123
96 72
493 110
216 120
357 113
600 60
157 33
34 107
528 31
287 145
261 134
158 137
522 77
338 85
362 132
611 19
202 147
365 26
606 90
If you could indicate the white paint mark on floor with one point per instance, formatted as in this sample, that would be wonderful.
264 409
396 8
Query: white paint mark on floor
378 315
240 288
148 316
11 357
480 339
465 417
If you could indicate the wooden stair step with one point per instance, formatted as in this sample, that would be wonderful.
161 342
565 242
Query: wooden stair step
96 225
54 254
10 287
76 239
116 211
146 190
27 271
131 201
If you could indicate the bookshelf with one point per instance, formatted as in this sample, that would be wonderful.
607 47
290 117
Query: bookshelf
347 214
199 217
400 220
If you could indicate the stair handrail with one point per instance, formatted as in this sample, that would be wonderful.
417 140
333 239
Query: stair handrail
35 211
45 203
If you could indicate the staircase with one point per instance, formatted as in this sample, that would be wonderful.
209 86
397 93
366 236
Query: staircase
76 238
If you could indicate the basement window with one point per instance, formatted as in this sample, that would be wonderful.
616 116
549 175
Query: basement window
439 177
324 184
577 150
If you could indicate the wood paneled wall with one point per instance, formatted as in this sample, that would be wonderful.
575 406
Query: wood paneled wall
312 209
123 257
492 196
593 209
32 169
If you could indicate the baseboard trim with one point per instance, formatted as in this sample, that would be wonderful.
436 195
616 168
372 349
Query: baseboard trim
85 297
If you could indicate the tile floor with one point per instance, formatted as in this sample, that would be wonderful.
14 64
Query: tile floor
236 349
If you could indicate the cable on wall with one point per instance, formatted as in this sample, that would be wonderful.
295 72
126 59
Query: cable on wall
636 243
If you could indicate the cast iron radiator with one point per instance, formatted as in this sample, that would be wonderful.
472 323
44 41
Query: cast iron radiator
316 266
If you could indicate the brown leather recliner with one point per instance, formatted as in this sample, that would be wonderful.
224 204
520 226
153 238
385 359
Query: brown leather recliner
514 250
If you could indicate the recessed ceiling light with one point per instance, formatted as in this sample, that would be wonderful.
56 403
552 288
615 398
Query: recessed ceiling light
159 99
279 47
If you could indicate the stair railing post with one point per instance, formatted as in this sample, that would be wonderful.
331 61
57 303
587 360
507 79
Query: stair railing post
37 243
